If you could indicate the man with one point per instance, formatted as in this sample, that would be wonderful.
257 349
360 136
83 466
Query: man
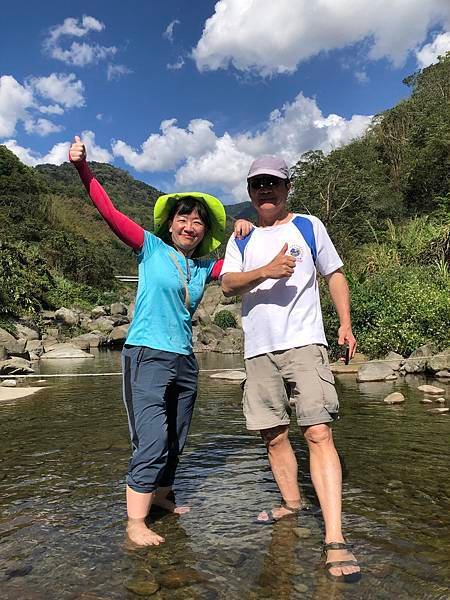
274 270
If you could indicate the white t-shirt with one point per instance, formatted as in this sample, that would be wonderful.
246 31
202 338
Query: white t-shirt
279 314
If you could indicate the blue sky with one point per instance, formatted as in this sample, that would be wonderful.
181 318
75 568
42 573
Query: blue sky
185 94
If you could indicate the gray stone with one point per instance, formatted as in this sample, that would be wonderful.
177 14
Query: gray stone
27 332
374 371
18 392
118 335
118 308
431 389
98 311
66 351
51 332
49 343
67 316
439 362
35 347
103 324
9 383
441 400
3 352
438 411
17 348
426 401
442 374
395 360
394 398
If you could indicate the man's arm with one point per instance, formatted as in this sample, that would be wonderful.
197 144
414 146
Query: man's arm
236 284
338 286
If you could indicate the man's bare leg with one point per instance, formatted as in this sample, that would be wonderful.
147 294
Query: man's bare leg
326 475
138 506
161 499
284 468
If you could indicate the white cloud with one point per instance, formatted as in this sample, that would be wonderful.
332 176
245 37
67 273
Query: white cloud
428 54
41 127
270 37
200 158
177 65
59 153
15 99
52 109
61 88
168 33
77 54
99 116
161 152
117 71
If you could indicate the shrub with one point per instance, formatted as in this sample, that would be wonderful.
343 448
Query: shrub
224 319
397 310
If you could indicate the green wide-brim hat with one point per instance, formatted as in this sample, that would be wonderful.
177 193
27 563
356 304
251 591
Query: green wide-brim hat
213 237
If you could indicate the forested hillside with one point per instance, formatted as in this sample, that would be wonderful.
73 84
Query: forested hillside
385 199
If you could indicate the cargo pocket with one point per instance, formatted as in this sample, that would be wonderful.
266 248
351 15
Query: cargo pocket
326 378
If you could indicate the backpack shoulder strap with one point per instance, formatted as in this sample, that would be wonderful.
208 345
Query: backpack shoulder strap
242 243
305 226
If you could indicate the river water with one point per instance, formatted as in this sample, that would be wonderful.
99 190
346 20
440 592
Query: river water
64 453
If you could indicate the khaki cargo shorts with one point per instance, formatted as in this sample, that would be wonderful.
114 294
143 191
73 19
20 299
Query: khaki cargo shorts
299 377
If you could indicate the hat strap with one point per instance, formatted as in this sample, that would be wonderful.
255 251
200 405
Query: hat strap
187 298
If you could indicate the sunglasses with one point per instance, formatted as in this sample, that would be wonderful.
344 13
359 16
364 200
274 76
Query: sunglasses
258 183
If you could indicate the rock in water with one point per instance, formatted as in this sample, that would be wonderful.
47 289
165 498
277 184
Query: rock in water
438 411
394 398
431 389
374 371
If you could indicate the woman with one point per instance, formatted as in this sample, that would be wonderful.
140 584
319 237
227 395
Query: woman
159 368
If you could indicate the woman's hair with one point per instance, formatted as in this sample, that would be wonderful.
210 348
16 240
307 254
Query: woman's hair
186 205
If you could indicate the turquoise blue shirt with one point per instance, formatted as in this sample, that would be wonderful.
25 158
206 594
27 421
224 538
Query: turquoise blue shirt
161 319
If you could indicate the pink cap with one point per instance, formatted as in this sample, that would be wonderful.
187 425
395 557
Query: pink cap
269 165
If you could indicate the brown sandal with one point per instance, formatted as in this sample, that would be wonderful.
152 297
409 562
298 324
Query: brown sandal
351 577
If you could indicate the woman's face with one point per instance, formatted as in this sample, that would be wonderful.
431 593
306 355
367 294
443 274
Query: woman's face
187 231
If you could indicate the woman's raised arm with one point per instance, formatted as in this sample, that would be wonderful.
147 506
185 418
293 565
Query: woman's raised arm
125 228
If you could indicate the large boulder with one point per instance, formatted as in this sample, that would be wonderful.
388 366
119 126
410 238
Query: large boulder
67 316
118 335
3 352
118 308
89 340
232 342
26 333
15 366
394 360
66 351
374 371
212 298
98 311
417 361
103 324
439 362
11 344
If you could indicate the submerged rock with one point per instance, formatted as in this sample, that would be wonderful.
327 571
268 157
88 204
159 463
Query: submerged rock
437 411
442 374
394 398
9 383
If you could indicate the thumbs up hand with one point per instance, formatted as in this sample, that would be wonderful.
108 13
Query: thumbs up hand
77 152
282 265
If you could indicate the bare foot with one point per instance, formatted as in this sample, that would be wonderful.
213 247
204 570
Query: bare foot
339 571
278 513
162 499
140 534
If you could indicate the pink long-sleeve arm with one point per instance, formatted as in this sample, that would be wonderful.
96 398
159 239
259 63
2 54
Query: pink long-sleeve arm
125 228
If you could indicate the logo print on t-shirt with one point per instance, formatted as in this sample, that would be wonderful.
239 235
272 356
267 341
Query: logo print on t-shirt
296 252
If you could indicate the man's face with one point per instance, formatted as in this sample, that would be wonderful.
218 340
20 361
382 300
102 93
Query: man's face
268 194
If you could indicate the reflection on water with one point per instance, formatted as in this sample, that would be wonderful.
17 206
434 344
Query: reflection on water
64 454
